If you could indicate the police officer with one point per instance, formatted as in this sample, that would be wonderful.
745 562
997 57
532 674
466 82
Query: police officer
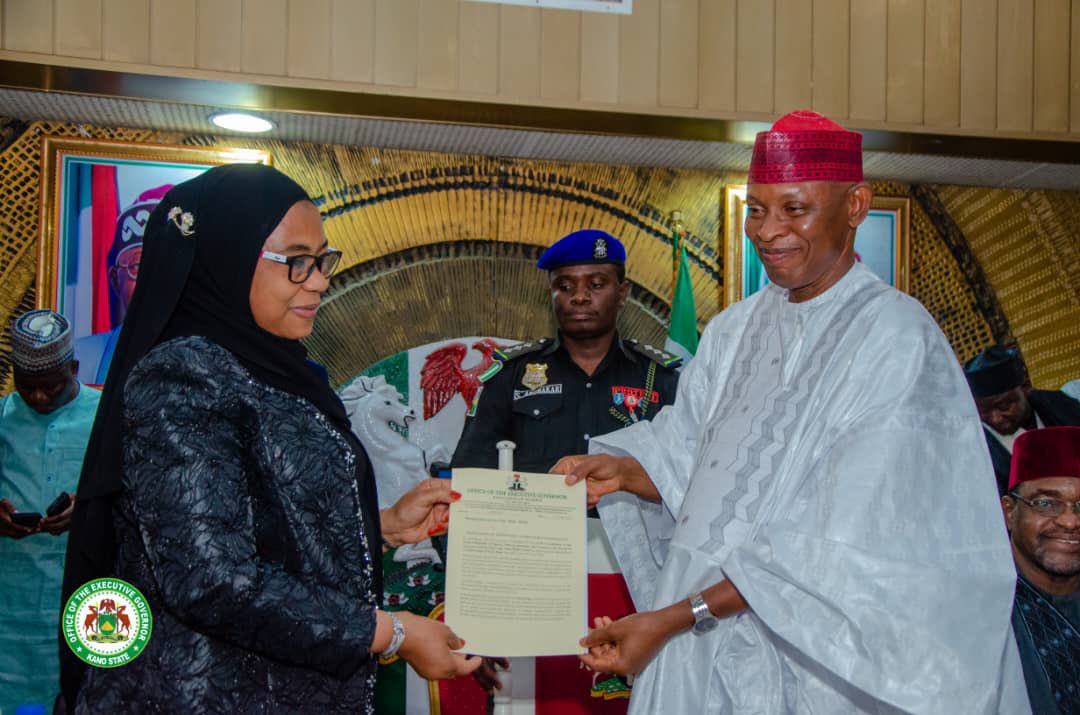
549 396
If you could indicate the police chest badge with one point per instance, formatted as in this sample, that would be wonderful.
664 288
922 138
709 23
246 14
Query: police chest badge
535 375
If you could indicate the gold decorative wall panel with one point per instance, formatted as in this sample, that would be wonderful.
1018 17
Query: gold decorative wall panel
378 202
939 284
1028 243
450 289
440 245
453 241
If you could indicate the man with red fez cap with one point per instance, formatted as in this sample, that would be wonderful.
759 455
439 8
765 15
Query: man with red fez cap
807 528
1042 511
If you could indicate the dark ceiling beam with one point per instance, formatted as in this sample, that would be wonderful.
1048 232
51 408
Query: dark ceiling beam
224 94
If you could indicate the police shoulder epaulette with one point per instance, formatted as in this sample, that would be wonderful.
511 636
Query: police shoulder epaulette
503 355
516 351
657 355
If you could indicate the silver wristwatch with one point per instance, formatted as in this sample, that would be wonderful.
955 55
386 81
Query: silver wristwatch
704 621
396 639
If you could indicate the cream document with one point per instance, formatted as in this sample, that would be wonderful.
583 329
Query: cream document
516 574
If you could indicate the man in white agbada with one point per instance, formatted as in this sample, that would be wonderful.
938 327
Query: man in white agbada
812 523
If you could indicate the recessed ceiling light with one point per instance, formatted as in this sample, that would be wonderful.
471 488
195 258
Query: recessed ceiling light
240 122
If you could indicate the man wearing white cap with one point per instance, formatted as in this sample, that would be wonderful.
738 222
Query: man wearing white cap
44 428
809 528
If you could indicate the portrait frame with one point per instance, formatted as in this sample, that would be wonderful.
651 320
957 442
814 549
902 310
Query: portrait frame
885 234
61 260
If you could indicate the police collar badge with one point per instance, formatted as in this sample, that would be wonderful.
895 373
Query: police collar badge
535 375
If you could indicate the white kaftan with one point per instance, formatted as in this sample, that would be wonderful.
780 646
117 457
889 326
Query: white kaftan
827 458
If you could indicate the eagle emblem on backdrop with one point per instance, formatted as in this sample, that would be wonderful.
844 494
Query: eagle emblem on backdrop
443 377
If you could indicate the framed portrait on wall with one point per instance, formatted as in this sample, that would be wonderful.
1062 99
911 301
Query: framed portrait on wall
881 243
96 197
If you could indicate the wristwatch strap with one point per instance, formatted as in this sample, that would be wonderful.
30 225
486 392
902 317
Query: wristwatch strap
704 620
700 608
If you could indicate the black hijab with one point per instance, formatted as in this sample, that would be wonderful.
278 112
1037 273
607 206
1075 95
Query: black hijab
200 250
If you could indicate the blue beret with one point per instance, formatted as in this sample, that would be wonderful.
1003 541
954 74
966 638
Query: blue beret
585 246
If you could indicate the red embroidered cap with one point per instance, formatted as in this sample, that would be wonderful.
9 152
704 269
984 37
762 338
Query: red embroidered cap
806 146
1044 453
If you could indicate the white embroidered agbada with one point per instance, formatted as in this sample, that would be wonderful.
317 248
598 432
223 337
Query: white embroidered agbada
827 458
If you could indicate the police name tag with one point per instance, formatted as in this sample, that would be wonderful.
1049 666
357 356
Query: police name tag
553 389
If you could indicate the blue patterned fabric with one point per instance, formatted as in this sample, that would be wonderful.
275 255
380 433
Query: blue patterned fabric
1048 635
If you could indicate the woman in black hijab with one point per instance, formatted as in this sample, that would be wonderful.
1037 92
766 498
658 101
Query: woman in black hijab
223 481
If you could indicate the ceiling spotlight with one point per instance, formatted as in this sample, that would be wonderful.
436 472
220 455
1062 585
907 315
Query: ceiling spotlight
240 122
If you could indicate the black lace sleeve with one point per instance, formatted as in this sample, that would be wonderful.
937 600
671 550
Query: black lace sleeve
187 483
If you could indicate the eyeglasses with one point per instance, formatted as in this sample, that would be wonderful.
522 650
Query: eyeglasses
301 267
132 269
1048 506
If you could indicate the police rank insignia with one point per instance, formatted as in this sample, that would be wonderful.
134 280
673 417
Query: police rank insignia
535 375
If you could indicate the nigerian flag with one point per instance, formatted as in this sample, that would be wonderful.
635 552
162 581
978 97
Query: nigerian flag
682 337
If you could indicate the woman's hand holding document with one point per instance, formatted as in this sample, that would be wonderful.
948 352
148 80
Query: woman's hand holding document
516 571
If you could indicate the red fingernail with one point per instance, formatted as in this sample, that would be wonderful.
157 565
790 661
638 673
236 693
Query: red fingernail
446 518
436 530
454 496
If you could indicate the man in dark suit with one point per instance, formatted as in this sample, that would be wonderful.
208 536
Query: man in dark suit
1009 406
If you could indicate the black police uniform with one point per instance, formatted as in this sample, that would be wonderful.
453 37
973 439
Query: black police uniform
540 399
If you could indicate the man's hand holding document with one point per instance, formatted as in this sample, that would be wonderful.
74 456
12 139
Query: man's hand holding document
516 570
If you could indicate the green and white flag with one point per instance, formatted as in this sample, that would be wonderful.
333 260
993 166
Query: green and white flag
682 337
